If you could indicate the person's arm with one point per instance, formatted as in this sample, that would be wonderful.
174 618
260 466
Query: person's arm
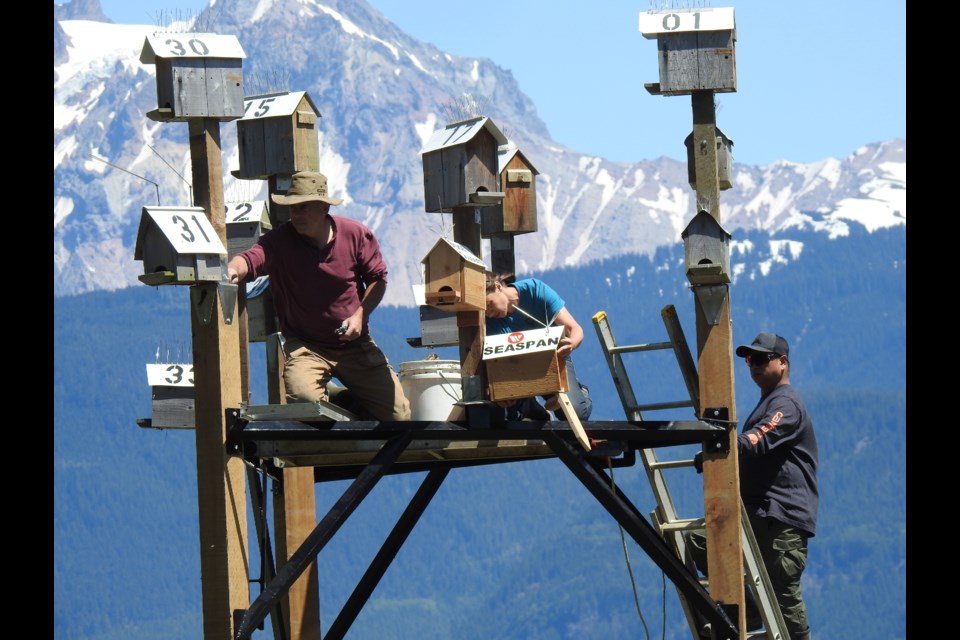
779 428
371 298
237 269
572 333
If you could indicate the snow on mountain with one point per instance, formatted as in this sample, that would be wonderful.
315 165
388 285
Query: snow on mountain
381 95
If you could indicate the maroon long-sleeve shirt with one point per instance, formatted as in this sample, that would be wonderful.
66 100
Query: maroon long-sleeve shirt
314 290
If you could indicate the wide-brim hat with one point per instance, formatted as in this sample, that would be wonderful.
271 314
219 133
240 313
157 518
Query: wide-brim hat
765 343
306 186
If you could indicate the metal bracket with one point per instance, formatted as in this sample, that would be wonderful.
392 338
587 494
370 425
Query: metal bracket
201 297
228 300
719 443
711 299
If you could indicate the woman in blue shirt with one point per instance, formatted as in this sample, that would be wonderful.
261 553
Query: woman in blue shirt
527 304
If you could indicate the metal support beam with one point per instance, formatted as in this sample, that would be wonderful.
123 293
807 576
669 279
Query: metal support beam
371 578
322 534
617 504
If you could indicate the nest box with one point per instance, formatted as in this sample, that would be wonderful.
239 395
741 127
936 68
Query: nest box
278 134
455 279
724 159
178 245
706 247
524 364
246 221
261 314
172 391
696 49
199 75
517 213
460 165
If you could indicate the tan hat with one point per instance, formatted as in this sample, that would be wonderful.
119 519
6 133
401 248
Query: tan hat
306 186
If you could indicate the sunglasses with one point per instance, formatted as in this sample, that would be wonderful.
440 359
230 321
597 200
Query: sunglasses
760 359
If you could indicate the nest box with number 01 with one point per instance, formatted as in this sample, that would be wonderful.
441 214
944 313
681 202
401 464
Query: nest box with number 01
518 212
706 247
696 49
199 75
455 279
460 165
278 135
178 245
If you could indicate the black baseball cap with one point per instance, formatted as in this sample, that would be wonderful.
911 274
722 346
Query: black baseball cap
765 343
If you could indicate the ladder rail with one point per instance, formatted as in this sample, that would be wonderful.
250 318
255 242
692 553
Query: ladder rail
665 518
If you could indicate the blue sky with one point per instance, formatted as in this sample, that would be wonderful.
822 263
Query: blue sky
815 79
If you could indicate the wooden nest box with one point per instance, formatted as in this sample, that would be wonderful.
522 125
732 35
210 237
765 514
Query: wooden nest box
455 279
460 165
706 248
278 134
172 391
524 364
724 159
696 49
178 245
199 75
518 212
246 221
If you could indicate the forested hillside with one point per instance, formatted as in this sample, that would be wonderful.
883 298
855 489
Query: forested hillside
516 550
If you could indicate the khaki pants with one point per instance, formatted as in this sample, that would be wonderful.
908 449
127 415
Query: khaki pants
360 365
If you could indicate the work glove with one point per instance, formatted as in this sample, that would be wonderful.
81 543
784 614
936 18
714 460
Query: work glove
698 462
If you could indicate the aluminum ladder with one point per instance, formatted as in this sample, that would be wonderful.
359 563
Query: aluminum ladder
664 518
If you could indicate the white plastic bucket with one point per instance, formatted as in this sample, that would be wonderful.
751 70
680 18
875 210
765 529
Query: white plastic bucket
432 387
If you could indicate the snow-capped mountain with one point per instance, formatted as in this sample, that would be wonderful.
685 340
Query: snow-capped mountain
381 95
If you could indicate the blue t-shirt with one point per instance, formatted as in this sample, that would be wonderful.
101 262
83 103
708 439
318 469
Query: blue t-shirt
537 299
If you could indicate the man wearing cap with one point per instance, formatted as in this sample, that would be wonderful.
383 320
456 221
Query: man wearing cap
327 276
778 475
777 450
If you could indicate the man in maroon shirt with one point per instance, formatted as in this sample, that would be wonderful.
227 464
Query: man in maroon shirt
326 276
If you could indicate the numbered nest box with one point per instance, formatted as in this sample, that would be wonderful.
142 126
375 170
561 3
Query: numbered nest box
261 314
524 364
455 279
278 135
178 246
172 391
696 49
724 159
517 213
246 221
461 166
199 75
706 247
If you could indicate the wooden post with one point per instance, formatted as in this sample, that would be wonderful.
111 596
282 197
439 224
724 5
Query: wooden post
294 518
466 231
221 488
721 473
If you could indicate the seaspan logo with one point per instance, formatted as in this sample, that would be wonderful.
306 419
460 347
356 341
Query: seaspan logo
517 342
514 338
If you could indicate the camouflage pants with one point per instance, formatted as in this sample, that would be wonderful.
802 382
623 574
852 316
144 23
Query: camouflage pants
784 552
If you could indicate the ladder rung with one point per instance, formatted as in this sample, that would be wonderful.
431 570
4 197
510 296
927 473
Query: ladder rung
629 348
679 404
671 464
683 524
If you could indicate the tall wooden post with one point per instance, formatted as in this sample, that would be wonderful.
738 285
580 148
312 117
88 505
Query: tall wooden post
466 231
721 473
221 489
294 518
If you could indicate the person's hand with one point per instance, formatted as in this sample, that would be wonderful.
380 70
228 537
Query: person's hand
565 347
698 462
